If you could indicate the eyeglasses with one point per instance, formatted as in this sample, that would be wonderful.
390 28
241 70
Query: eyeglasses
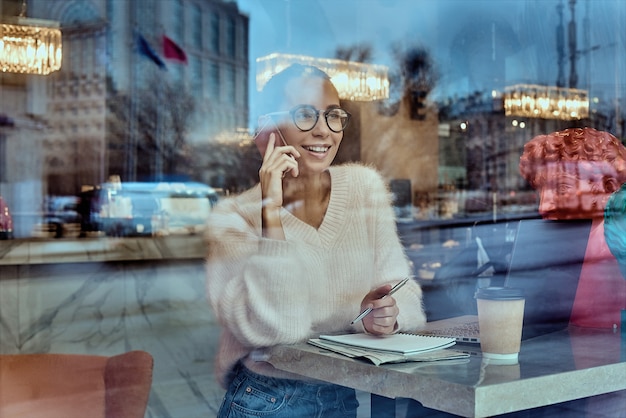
305 117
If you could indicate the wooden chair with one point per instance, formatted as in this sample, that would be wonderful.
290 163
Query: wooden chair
73 385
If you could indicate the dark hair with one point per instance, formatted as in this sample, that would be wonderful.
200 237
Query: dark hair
273 93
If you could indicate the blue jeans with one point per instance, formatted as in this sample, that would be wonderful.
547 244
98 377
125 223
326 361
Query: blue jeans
253 395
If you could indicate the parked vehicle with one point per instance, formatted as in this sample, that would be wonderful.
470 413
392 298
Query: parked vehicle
143 208
61 218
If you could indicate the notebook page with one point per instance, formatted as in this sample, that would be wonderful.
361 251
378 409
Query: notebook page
396 343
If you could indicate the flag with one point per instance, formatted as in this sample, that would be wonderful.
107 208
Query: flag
172 51
146 50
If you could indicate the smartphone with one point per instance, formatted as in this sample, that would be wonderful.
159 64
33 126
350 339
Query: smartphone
262 137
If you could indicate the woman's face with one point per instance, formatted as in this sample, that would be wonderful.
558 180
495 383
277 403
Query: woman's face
318 147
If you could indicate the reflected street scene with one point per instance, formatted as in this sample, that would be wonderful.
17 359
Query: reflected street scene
213 183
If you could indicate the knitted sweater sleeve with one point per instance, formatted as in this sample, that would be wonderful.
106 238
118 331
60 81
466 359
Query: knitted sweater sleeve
257 287
391 260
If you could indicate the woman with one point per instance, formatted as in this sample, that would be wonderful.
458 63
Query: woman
301 254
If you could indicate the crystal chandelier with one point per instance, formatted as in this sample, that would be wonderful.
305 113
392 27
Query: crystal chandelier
354 80
546 102
30 46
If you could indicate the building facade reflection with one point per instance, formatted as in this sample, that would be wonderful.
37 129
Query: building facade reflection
105 112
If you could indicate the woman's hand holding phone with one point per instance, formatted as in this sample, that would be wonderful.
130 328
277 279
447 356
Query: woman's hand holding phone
277 161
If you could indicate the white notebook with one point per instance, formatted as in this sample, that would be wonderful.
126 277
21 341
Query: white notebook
379 357
395 343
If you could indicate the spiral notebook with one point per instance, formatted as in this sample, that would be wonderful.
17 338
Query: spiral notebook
396 348
394 343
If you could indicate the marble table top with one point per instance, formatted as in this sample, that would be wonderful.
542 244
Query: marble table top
80 250
566 365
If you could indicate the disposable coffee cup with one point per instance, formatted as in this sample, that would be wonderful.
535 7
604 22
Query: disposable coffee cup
500 320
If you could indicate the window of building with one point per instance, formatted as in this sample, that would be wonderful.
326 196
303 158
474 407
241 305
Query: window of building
196 82
229 83
231 37
196 26
213 82
178 21
214 33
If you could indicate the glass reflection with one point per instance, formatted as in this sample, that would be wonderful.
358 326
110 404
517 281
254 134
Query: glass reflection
443 140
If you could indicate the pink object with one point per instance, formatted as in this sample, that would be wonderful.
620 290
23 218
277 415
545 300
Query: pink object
601 293
74 385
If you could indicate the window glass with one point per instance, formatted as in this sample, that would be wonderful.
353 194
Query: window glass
478 114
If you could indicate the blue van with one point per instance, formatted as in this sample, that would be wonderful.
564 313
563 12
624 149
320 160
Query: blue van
149 209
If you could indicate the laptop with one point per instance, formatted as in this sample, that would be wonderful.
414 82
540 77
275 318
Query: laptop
546 260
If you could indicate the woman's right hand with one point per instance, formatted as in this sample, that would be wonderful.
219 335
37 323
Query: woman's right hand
384 316
277 161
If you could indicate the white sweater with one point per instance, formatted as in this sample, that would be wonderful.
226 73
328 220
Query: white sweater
267 292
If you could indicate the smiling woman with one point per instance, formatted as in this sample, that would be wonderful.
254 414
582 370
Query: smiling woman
299 254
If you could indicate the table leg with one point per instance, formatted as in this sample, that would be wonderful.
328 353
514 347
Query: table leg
382 407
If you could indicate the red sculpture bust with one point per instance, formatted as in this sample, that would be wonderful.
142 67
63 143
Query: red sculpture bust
575 172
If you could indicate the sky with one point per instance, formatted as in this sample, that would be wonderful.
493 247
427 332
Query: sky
476 44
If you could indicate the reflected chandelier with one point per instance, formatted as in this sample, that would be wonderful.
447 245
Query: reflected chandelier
546 102
30 46
355 81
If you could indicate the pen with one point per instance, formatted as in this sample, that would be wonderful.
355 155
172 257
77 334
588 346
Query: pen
393 290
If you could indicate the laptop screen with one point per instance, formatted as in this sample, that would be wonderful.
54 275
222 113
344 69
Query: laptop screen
545 263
